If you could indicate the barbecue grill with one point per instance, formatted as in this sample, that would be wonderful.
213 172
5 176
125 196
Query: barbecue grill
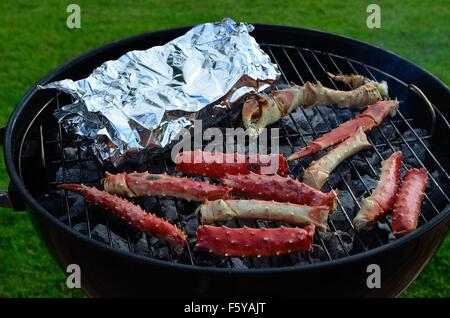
115 260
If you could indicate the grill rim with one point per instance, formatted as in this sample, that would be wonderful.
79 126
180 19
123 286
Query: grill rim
19 186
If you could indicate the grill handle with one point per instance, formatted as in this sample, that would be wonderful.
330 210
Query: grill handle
429 105
6 199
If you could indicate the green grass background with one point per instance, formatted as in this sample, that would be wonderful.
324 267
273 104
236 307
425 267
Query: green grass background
34 39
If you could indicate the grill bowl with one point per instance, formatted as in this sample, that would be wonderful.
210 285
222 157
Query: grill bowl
108 271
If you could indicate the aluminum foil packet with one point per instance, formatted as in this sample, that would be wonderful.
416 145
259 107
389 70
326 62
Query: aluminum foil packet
135 106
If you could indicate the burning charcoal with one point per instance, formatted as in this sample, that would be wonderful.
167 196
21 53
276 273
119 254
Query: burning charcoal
309 112
346 200
348 206
369 182
150 203
441 180
380 135
409 135
346 238
163 253
76 204
436 196
168 210
264 224
359 188
329 115
285 150
409 158
293 168
318 252
156 166
363 162
292 259
419 150
209 260
288 124
383 230
255 262
384 227
159 248
391 237
300 122
388 152
91 171
359 162
231 223
68 175
190 224
237 263
333 244
373 159
334 179
81 227
70 153
86 151
186 206
100 233
154 241
142 247
318 124
339 216
344 115
289 259
388 131
301 142
49 203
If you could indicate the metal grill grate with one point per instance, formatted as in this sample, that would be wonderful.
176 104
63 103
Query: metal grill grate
297 65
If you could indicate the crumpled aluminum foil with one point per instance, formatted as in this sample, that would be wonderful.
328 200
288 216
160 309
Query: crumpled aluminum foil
135 106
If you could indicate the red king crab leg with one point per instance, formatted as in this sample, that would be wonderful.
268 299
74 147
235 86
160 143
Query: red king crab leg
250 242
408 201
372 117
382 198
296 214
141 184
281 189
318 172
131 213
216 165
261 110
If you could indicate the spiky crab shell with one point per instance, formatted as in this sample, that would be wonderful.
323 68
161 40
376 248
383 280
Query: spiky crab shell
408 201
281 189
382 199
372 117
216 164
261 110
295 214
139 184
132 214
250 242
318 172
